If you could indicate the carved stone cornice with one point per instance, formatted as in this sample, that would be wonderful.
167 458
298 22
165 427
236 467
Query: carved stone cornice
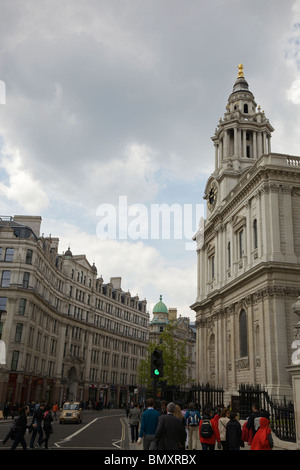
234 308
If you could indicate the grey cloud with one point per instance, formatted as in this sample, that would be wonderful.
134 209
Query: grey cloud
86 79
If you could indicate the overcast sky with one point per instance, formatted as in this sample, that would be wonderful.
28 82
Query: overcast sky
120 98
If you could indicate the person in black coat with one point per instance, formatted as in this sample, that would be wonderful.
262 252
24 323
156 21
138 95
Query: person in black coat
170 432
19 429
233 432
36 425
48 430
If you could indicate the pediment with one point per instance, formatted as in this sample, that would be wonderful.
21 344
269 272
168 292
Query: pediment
82 260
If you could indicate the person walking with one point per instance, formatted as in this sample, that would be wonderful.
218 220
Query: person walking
253 420
208 431
36 425
149 423
263 437
179 414
20 429
134 417
14 410
6 410
170 432
193 418
55 410
47 417
222 423
234 432
163 408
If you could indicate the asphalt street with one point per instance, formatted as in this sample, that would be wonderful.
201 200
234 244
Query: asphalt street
99 430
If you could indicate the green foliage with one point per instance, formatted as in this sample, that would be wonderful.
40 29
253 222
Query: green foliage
174 357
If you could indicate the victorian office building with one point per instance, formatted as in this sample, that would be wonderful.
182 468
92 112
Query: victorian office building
65 334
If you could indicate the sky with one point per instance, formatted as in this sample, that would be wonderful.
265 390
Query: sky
107 109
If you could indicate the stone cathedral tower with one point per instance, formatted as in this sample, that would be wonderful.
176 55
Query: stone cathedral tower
248 254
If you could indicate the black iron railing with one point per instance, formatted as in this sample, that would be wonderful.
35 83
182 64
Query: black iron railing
281 411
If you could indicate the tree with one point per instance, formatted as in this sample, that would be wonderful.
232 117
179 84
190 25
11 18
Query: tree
174 357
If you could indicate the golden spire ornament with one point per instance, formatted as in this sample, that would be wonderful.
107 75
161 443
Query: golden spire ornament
241 73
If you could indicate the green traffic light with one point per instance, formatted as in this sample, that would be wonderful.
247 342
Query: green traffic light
156 371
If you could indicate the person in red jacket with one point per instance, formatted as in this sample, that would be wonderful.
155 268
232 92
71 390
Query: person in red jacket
208 431
263 438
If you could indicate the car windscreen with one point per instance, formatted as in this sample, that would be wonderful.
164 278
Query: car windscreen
71 406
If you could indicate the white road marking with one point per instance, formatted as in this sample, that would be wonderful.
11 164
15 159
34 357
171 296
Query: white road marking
66 439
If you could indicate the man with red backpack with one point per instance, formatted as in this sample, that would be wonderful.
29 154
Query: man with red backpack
208 431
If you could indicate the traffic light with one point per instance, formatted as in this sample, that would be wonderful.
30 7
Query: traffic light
157 364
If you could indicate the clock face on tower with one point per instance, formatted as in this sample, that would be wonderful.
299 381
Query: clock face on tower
212 196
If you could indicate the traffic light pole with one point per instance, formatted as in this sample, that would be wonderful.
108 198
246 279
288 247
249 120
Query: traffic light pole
155 390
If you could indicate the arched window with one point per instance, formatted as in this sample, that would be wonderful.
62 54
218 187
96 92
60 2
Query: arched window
243 334
245 108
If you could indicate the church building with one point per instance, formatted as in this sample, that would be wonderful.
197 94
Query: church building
248 252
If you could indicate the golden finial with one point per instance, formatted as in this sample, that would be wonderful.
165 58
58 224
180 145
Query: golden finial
241 73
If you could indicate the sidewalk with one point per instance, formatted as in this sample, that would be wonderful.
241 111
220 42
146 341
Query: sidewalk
278 444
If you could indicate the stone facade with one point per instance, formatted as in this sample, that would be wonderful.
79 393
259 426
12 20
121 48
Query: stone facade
248 251
67 334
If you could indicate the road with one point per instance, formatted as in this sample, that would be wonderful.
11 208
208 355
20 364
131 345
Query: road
99 430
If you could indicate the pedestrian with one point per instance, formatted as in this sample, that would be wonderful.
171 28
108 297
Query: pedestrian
6 410
48 430
55 410
263 437
253 420
134 417
170 433
193 418
222 423
31 408
163 408
184 412
14 410
127 410
149 423
36 425
20 429
179 414
234 432
208 431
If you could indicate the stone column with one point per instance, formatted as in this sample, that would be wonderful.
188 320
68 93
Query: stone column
225 149
235 142
221 152
244 153
254 145
290 255
216 157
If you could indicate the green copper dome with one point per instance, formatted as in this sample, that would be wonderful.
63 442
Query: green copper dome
160 307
